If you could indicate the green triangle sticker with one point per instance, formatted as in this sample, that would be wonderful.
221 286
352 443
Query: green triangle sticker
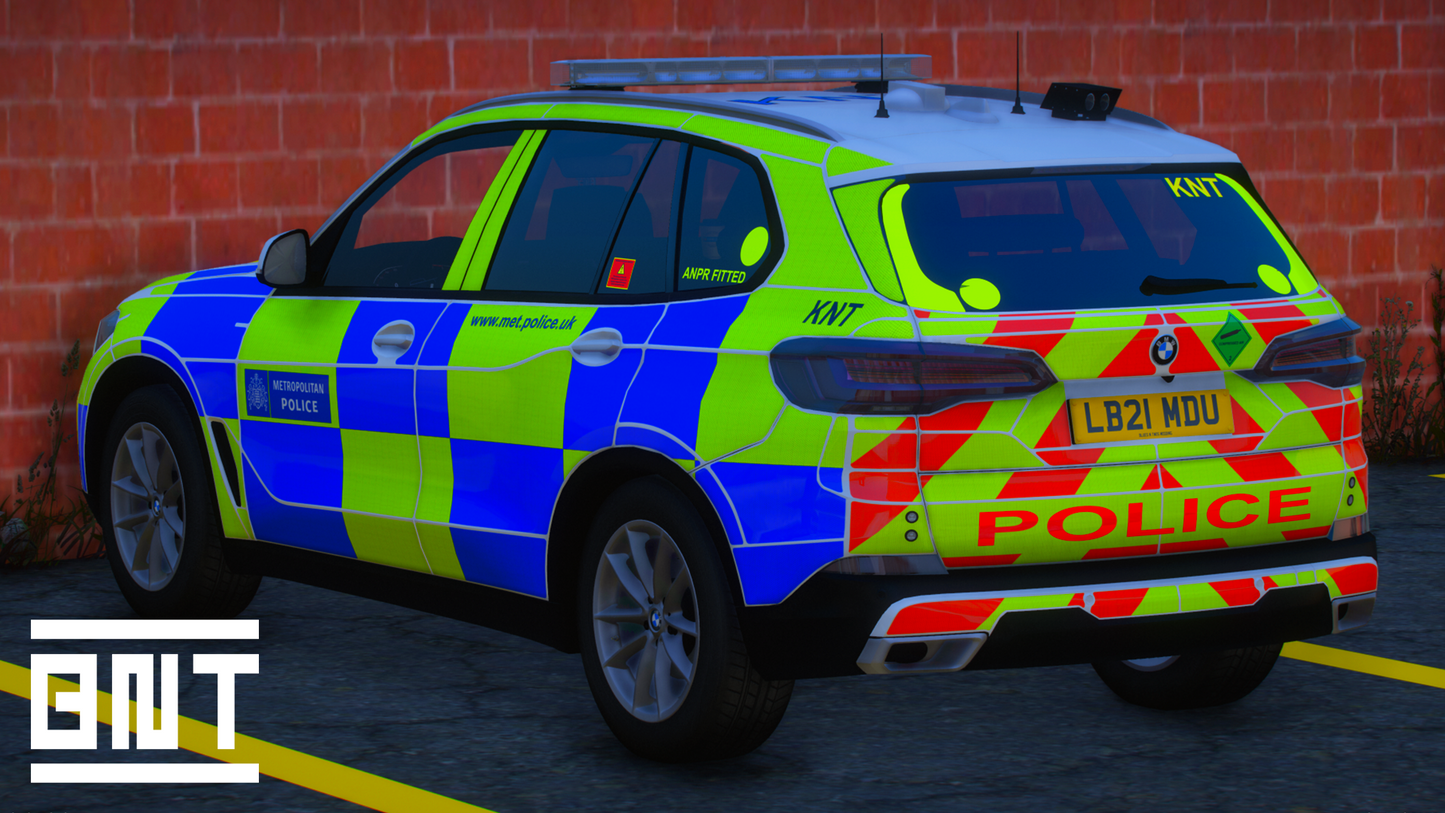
1231 339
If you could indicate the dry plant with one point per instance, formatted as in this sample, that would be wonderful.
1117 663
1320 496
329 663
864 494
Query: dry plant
39 525
1405 416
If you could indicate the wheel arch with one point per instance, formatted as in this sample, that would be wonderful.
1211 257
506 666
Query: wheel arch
123 377
587 488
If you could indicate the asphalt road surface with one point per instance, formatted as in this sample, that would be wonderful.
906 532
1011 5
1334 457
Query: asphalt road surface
509 725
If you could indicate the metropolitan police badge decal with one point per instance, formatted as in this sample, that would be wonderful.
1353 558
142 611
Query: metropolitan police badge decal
258 401
1164 350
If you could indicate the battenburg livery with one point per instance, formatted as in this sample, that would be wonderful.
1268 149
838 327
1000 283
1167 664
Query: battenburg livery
727 389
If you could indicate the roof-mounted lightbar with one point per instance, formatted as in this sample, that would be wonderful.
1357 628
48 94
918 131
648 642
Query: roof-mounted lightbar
616 73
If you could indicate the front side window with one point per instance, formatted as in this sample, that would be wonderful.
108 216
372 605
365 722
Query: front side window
724 229
1085 241
407 231
567 212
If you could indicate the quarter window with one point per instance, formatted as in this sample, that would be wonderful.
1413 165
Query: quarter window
567 212
406 233
724 231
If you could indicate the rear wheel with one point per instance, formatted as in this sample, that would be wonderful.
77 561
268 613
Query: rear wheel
661 645
1191 681
158 514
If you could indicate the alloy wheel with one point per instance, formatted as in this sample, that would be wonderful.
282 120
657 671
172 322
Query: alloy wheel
644 617
147 506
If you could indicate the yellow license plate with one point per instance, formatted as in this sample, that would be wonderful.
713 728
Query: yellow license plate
1146 417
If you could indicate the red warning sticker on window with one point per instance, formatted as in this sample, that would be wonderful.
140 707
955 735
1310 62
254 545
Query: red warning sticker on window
620 274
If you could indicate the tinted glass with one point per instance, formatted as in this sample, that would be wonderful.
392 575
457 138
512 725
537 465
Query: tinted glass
724 230
641 261
1090 241
567 212
407 231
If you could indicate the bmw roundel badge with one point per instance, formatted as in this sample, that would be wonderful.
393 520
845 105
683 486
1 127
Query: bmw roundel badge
1164 350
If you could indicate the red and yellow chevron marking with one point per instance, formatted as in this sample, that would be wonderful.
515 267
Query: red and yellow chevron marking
1349 580
875 450
1070 514
882 529
972 612
1004 484
883 486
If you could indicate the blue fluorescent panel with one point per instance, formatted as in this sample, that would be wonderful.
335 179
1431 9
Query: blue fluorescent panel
502 560
80 411
216 382
635 323
431 403
247 285
594 398
374 314
227 270
832 478
770 572
782 503
297 463
668 392
504 485
376 399
715 494
700 323
647 439
438 349
309 528
203 327
168 358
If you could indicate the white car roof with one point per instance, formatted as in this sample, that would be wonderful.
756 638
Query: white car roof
934 128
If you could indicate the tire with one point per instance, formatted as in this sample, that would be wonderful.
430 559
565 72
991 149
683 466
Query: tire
162 535
711 703
1192 681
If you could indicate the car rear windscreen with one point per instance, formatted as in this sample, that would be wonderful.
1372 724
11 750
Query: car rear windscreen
1090 241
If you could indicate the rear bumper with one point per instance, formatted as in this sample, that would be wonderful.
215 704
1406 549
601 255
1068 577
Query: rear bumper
1066 613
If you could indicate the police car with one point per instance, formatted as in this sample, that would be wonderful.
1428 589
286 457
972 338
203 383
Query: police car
726 389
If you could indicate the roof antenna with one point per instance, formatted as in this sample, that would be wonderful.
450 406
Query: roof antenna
1018 105
882 82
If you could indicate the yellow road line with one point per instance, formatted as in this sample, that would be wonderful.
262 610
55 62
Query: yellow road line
1369 664
324 776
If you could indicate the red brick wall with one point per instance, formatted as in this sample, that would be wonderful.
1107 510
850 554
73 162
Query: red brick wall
145 137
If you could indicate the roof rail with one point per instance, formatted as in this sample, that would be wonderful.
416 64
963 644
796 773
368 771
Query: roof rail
670 101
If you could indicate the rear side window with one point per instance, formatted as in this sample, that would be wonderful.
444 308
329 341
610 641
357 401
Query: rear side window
567 212
724 230
641 260
406 233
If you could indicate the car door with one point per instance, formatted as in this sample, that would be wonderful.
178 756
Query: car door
517 387
327 372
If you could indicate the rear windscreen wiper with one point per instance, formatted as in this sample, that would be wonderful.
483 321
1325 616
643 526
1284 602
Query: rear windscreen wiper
1159 285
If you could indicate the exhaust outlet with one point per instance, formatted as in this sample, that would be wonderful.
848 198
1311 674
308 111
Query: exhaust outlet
941 653
1353 612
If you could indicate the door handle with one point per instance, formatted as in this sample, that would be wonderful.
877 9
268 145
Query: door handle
597 347
392 341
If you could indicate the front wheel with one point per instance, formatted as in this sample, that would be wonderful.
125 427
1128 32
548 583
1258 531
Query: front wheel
661 645
1194 680
158 514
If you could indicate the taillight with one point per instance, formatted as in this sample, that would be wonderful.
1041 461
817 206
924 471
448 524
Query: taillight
1324 354
864 376
1315 353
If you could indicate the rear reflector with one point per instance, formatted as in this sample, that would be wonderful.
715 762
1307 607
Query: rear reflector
866 376
1324 354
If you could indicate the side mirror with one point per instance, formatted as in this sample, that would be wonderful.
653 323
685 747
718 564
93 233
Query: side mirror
283 259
